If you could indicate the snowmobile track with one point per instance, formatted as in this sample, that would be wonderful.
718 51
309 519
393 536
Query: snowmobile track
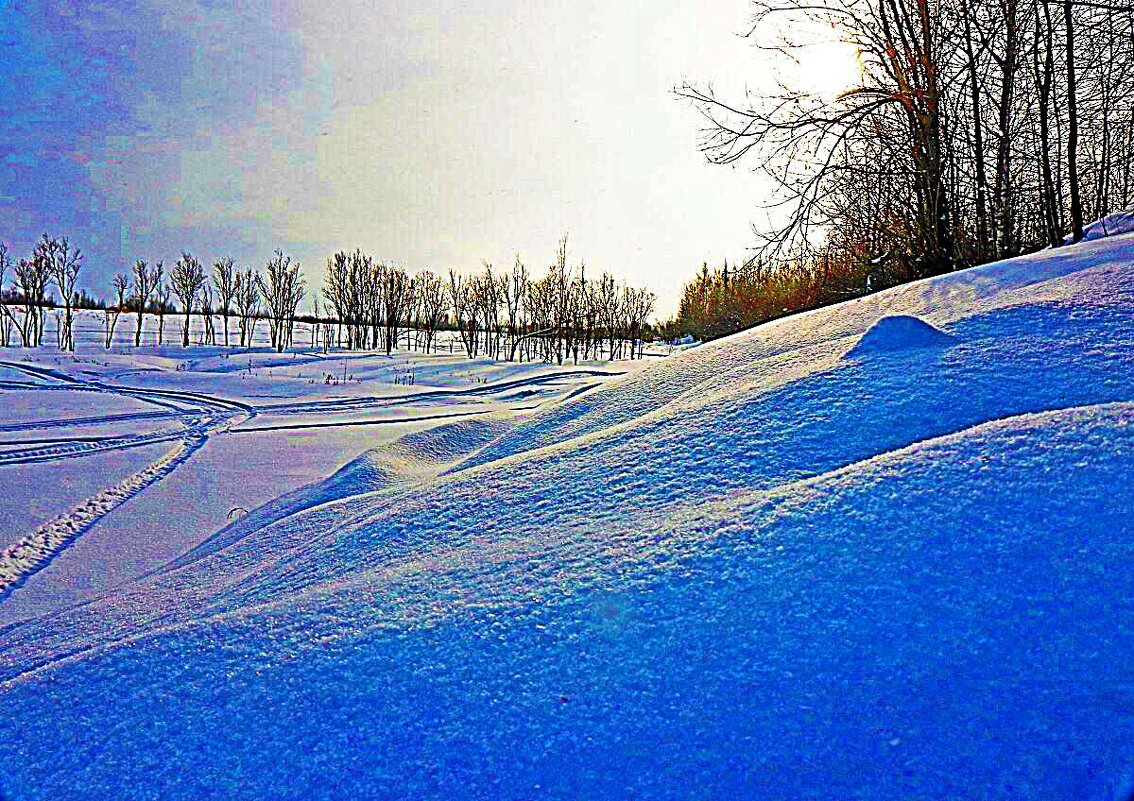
347 404
37 550
202 416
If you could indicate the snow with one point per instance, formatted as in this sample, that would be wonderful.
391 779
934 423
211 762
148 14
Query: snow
123 460
43 408
24 505
899 332
1119 222
766 567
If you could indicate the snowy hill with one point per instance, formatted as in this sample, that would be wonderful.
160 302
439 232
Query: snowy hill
879 550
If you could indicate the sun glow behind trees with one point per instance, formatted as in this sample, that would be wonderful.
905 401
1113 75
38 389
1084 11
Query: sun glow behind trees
973 130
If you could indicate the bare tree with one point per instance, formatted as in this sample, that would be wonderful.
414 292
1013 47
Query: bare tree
246 295
431 291
638 305
396 296
515 293
1043 63
283 289
336 293
208 329
32 278
8 319
162 306
188 279
462 300
1072 124
487 293
224 278
120 285
145 283
62 264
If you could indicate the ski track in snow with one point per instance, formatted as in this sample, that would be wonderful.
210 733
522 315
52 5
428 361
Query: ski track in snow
37 425
72 447
35 551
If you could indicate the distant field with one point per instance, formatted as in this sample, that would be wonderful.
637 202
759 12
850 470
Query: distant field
120 460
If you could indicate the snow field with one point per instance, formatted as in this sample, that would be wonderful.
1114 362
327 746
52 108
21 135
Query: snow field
806 560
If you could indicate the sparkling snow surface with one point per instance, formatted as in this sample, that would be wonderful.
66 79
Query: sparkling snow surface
775 566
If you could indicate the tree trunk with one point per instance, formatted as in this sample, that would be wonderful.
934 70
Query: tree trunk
978 140
1003 192
1045 80
1072 127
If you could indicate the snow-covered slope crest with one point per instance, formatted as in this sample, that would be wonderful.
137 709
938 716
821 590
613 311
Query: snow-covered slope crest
778 353
770 567
393 467
1114 224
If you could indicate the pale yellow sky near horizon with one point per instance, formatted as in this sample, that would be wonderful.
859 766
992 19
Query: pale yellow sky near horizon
437 134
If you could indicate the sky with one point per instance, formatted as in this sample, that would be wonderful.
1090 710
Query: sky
430 133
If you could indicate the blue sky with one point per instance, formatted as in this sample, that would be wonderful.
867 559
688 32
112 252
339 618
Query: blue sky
434 134
109 104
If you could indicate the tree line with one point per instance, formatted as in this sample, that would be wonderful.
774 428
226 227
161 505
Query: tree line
730 298
503 314
243 296
978 130
366 304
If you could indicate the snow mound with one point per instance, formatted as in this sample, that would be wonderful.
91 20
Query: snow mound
410 458
899 332
449 442
759 569
1115 224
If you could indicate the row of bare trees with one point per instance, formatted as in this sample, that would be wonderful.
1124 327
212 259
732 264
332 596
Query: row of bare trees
54 263
505 315
247 296
977 130
367 304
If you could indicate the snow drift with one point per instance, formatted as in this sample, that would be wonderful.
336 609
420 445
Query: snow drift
765 568
1119 222
896 333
